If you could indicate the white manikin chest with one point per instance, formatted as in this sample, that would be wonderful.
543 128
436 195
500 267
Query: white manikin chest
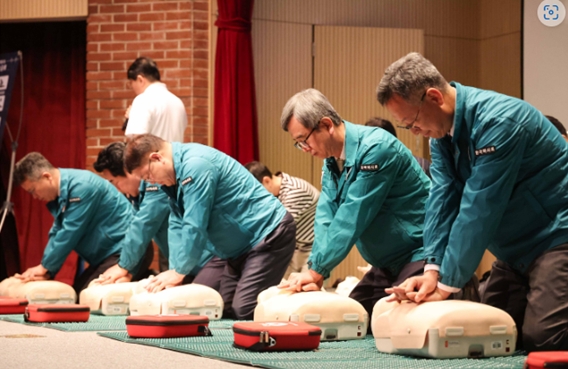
38 292
190 299
443 329
108 299
339 317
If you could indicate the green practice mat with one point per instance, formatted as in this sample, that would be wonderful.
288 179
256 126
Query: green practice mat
99 323
356 354
96 323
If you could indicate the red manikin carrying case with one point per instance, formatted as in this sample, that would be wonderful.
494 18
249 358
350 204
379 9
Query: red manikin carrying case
276 336
547 359
58 313
13 306
167 326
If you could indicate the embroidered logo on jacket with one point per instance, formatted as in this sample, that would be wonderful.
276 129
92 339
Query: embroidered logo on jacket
152 188
369 167
485 151
186 181
75 199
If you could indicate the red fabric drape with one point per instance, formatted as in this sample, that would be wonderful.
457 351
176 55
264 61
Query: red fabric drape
54 60
235 124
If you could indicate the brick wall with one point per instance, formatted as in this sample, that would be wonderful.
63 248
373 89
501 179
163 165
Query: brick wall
174 33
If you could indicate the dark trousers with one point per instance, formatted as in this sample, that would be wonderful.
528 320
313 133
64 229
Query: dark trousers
93 271
209 275
372 287
260 268
537 300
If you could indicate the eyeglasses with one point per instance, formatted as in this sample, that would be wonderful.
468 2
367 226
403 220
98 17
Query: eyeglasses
411 124
303 145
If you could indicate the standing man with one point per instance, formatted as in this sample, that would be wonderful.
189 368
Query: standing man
300 199
219 207
500 173
373 195
150 221
155 110
91 217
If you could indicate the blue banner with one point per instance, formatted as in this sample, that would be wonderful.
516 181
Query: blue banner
8 67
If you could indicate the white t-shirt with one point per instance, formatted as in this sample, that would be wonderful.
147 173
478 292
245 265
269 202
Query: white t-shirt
159 112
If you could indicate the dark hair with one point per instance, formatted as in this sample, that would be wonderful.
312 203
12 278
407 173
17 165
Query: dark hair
559 126
382 123
110 158
144 66
31 167
258 170
139 147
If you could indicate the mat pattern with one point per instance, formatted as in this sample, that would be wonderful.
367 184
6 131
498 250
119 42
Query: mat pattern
96 323
99 323
344 354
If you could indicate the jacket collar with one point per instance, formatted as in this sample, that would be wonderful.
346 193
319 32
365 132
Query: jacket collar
177 154
351 143
459 111
58 205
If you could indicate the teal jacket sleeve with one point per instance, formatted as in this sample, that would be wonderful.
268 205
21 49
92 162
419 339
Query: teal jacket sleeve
68 229
174 235
442 205
484 200
197 195
339 226
154 209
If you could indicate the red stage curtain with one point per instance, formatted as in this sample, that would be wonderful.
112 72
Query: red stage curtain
54 60
235 125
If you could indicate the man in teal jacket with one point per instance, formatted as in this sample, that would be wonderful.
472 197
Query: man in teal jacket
150 221
500 173
91 217
219 207
373 195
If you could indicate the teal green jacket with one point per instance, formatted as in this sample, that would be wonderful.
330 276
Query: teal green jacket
150 221
219 207
499 183
377 202
174 231
91 217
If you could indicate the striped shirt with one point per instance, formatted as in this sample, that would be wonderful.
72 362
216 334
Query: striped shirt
300 198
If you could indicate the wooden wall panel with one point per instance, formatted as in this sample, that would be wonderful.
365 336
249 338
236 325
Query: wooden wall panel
283 67
456 58
499 17
43 10
500 64
448 18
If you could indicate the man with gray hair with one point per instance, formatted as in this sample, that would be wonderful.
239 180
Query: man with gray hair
90 217
499 172
373 195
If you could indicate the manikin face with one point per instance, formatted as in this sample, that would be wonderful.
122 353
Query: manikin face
315 141
43 189
423 119
128 185
156 169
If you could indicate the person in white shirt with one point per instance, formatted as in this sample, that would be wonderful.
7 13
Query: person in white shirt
155 110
